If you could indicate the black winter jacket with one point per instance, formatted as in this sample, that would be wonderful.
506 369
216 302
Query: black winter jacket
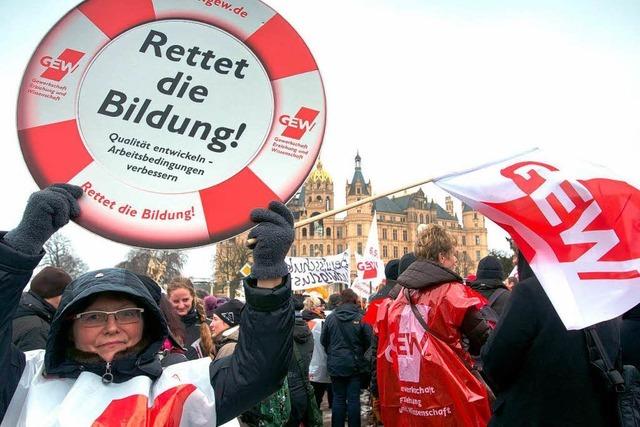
303 340
541 371
631 337
488 287
346 352
267 341
32 322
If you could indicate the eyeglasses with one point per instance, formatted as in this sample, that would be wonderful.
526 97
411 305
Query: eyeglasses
99 318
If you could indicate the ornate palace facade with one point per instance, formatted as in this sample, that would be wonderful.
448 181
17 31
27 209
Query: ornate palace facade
398 219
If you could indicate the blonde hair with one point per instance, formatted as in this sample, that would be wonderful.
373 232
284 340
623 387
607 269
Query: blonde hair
206 341
311 302
433 241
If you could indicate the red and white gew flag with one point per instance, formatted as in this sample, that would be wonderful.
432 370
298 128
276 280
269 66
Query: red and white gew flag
576 224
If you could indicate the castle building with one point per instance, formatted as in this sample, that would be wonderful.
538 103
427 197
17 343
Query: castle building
398 220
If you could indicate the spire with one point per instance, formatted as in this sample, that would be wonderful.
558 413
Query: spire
358 159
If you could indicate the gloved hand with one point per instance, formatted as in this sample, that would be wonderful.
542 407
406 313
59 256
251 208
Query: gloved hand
46 211
273 236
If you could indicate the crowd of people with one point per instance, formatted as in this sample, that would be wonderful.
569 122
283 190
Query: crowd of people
429 348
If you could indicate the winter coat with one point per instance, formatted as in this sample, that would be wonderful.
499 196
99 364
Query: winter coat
630 336
303 340
192 335
51 388
539 370
226 343
489 287
346 352
424 379
32 322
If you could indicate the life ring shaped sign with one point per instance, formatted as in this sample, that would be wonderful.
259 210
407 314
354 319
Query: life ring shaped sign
176 117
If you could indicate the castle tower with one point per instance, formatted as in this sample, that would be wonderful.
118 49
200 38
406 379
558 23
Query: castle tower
358 219
475 235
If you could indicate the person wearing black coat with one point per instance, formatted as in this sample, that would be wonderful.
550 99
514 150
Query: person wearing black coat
32 320
488 283
108 354
346 339
303 342
539 370
630 336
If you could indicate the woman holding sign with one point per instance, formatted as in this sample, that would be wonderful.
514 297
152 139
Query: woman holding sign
101 367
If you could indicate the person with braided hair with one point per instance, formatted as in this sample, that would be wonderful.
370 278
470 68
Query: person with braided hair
189 307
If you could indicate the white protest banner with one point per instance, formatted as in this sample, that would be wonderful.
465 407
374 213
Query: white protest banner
362 288
576 224
166 111
315 271
370 267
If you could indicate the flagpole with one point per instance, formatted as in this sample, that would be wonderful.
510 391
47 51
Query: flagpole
372 198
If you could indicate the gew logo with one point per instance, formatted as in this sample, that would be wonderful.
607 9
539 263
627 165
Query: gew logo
58 68
297 126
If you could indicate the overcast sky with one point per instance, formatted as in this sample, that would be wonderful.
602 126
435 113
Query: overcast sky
420 88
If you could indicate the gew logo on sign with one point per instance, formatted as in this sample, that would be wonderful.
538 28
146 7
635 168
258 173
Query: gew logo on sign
58 68
297 126
369 269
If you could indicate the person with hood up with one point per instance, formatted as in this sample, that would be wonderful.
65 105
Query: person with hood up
540 371
225 327
423 370
182 295
101 365
489 283
346 339
32 320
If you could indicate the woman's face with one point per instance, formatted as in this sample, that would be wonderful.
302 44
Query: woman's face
181 300
448 260
113 336
217 326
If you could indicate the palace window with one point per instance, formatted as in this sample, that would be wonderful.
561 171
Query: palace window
384 234
359 230
395 252
339 249
384 252
328 231
304 249
405 250
405 235
360 248
464 240
394 234
477 240
304 232
477 255
328 250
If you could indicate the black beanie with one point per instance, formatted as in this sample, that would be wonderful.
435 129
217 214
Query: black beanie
406 261
50 282
230 312
489 268
391 270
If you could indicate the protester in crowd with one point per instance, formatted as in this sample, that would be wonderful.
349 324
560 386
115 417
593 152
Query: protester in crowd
107 331
433 295
210 303
303 342
312 311
488 283
539 370
182 295
225 327
172 350
318 374
511 282
345 339
630 337
334 301
32 320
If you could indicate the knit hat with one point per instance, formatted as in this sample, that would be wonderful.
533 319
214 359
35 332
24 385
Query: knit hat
50 282
489 268
391 269
230 312
210 304
405 262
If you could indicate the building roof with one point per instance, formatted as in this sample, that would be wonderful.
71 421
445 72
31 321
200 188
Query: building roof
401 204
466 207
319 174
358 178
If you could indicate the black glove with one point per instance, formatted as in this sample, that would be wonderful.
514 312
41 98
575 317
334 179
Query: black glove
273 235
47 210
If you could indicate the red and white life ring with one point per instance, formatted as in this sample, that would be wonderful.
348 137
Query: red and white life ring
177 117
